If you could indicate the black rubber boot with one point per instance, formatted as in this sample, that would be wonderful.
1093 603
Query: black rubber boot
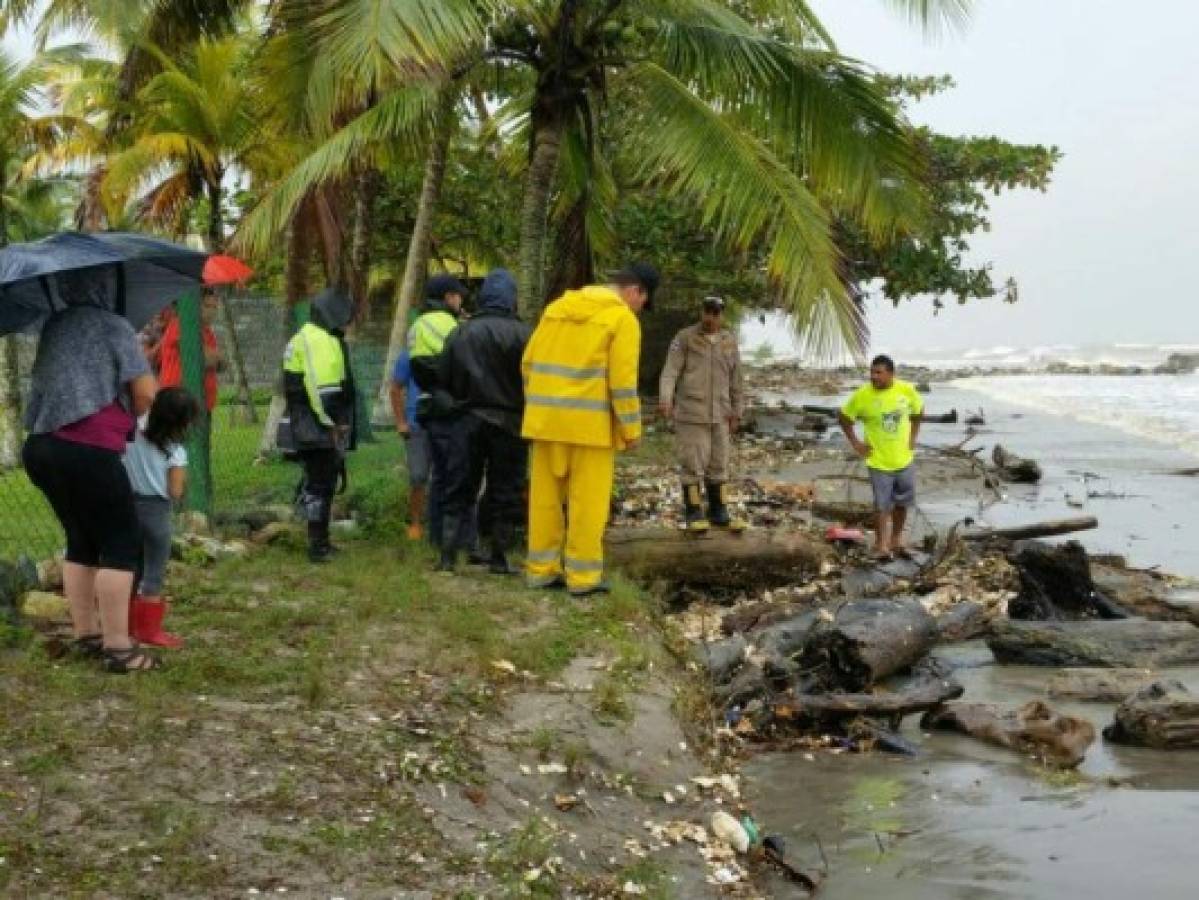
693 511
320 550
501 543
718 511
448 561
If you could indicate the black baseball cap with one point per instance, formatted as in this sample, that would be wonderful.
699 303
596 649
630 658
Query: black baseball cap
643 274
438 286
713 302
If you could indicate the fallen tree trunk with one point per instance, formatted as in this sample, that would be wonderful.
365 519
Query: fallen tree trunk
949 418
1143 593
715 559
1122 644
1015 469
921 695
866 641
1099 685
1034 728
847 513
1164 715
1033 530
1055 583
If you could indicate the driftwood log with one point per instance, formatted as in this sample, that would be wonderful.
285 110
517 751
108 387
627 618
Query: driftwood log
963 622
1015 469
919 695
1099 685
1034 728
1055 583
1143 593
715 559
1164 715
1032 530
1121 644
866 641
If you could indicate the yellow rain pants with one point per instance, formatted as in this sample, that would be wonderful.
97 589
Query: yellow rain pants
579 478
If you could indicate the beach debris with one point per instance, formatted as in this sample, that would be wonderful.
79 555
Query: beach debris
1099 685
728 829
1119 644
1055 583
867 641
715 559
503 665
552 768
1034 728
1163 715
567 802
1048 528
963 622
977 418
1013 468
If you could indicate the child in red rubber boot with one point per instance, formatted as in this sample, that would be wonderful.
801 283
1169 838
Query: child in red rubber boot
157 464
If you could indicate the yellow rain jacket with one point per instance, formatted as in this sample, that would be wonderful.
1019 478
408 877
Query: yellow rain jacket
580 372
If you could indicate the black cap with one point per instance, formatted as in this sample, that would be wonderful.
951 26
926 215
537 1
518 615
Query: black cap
643 274
438 286
714 302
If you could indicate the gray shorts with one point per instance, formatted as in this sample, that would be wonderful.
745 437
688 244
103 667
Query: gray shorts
892 489
420 456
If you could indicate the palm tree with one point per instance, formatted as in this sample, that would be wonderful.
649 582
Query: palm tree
22 135
193 123
767 129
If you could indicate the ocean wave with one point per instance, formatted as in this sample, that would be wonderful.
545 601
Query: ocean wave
1163 409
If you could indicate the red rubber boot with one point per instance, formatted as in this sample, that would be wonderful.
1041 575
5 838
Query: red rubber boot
145 622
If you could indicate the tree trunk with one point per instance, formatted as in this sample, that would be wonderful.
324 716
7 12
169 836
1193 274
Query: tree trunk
539 183
417 262
1034 729
1055 583
296 277
716 559
1015 469
1121 644
920 695
573 259
216 244
10 374
1050 528
867 641
365 188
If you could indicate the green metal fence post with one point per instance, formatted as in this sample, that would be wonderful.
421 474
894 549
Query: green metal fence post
199 445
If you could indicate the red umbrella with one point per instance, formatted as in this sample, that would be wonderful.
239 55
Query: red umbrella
226 270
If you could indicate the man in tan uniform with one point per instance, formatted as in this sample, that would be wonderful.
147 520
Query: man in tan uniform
701 390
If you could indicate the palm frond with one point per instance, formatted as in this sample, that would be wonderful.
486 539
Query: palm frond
401 116
935 16
746 194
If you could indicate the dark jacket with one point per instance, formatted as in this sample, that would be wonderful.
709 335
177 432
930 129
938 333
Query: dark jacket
481 365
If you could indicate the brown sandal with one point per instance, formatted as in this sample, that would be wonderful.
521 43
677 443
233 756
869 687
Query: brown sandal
130 659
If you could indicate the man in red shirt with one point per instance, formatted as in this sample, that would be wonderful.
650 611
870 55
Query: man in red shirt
170 365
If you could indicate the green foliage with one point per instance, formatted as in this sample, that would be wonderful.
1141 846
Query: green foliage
963 172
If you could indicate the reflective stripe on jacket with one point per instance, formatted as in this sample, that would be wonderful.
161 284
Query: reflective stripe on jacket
315 356
580 372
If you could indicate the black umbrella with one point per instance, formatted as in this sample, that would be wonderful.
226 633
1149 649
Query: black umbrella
133 275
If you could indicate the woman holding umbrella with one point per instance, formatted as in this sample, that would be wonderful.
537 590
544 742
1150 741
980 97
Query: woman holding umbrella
90 382
89 293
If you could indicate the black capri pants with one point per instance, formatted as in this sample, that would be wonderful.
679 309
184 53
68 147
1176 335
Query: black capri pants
89 491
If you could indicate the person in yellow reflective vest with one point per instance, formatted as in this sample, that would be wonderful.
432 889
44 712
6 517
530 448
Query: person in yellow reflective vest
581 406
319 387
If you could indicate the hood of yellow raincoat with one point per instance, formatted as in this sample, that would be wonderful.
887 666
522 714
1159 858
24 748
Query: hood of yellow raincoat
582 305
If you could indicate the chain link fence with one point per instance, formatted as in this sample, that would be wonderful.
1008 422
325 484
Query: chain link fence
247 476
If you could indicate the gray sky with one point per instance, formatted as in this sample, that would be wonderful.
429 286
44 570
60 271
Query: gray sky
1107 255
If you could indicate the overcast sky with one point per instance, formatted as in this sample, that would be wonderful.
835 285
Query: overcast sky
1108 254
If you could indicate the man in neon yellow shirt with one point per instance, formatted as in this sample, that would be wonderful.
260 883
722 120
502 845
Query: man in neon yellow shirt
890 411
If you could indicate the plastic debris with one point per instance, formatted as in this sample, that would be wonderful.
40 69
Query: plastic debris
729 830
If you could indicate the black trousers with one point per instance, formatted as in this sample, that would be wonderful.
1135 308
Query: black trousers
480 450
88 489
321 468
